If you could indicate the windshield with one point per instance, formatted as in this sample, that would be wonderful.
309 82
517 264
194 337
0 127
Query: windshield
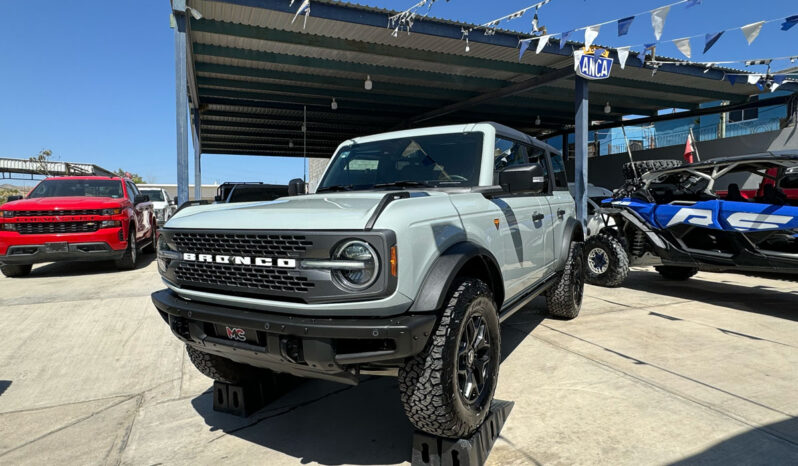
78 188
156 195
244 194
441 160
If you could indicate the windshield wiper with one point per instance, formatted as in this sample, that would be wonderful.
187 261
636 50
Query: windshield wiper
403 184
338 187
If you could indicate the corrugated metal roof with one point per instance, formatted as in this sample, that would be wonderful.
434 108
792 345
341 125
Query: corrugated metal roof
255 71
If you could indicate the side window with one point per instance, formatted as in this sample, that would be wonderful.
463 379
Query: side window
560 178
132 192
538 155
506 154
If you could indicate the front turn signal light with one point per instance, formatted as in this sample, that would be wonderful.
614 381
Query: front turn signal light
394 262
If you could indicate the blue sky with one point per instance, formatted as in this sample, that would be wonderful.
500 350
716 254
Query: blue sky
94 80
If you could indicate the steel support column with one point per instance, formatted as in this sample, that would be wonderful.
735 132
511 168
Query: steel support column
581 127
197 155
181 97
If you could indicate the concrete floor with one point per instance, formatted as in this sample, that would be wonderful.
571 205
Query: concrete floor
657 372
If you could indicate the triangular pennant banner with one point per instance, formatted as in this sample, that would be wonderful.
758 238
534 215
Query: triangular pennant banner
624 24
789 22
623 54
564 38
591 32
542 43
751 31
731 78
524 45
303 8
710 39
753 78
779 78
774 86
684 46
658 20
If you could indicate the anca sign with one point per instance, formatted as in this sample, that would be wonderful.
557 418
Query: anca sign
590 66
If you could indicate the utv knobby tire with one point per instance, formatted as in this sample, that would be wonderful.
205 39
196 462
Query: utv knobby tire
606 261
564 297
16 270
128 260
221 369
430 382
645 166
670 272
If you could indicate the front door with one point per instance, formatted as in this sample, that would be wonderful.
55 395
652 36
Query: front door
524 223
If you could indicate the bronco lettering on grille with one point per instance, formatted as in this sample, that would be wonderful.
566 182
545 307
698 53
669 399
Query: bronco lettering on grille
282 263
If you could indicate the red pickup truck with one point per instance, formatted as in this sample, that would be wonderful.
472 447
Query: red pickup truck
76 218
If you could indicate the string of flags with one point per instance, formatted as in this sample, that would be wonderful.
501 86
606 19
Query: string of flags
490 26
749 31
658 16
406 18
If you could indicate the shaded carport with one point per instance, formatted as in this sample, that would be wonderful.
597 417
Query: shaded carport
251 74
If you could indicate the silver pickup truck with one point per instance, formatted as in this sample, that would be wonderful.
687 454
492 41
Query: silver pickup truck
415 246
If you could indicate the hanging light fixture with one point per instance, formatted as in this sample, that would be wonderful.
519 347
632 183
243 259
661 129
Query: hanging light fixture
607 108
537 121
291 143
334 104
368 84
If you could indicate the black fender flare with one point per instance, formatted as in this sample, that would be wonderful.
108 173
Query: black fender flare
447 267
573 231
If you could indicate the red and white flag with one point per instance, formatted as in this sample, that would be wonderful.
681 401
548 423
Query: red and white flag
689 150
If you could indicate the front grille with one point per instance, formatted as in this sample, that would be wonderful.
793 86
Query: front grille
256 279
54 213
57 227
243 244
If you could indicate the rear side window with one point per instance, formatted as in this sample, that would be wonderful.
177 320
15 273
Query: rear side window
558 167
790 182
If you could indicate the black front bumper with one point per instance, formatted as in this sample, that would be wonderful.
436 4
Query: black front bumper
326 348
34 254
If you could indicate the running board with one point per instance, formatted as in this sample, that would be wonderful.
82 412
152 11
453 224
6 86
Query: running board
516 304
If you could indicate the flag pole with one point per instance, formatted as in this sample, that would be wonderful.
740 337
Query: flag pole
694 145
629 151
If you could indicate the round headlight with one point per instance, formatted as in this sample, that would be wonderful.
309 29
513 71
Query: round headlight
364 261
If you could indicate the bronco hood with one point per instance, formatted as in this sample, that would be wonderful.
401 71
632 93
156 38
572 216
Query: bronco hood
328 211
64 203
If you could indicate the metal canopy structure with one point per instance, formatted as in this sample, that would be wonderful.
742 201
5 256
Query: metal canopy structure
11 167
251 72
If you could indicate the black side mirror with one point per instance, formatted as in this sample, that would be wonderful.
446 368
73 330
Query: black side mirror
296 187
13 198
523 179
141 198
217 198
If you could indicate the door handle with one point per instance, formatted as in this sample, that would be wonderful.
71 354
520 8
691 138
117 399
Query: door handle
560 213
537 217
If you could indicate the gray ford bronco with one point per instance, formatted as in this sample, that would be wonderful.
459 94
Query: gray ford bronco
415 246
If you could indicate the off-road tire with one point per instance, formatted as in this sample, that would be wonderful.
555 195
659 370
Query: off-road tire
613 272
670 272
429 382
128 260
16 270
221 369
645 166
564 297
